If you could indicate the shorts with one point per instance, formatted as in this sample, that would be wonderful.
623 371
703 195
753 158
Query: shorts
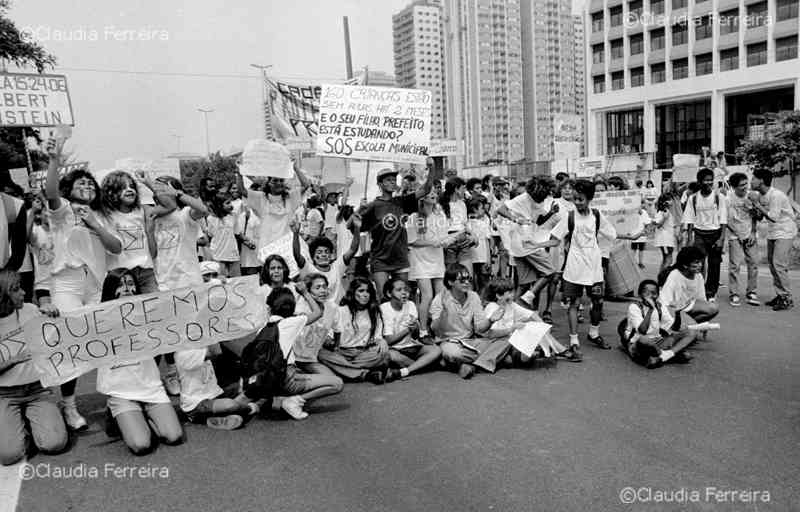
534 266
575 291
410 352
637 246
119 405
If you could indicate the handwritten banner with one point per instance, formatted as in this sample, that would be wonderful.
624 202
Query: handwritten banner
266 158
446 147
34 100
374 123
621 207
283 248
567 136
142 326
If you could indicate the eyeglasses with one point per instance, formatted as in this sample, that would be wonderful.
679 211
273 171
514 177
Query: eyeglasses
464 278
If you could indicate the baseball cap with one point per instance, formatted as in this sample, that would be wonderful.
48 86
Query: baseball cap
385 172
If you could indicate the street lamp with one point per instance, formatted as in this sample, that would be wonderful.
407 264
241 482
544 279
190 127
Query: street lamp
267 110
205 113
178 140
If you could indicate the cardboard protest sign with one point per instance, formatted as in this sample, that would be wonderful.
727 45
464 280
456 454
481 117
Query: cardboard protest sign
529 337
621 208
446 147
282 247
20 177
142 326
266 158
163 167
567 136
374 123
30 99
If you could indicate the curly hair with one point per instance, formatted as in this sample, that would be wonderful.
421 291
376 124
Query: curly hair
67 182
113 185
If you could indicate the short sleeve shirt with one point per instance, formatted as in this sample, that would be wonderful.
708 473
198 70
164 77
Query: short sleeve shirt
385 221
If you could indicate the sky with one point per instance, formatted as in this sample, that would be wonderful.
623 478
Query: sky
148 113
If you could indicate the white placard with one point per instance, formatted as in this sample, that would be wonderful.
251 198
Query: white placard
20 177
164 167
282 247
529 336
621 208
266 158
374 123
446 147
567 136
29 99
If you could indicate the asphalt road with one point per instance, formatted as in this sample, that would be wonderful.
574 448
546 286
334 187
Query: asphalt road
563 438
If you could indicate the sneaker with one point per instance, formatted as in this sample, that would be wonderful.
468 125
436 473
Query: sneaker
572 354
231 422
294 407
172 384
783 303
376 377
72 417
771 302
599 342
466 371
735 301
392 374
752 299
112 429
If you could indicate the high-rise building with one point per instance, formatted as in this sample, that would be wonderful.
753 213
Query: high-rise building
483 72
580 75
419 56
376 78
552 50
673 76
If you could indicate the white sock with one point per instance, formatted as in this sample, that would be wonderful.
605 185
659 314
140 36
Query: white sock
423 333
404 372
666 355
573 340
594 331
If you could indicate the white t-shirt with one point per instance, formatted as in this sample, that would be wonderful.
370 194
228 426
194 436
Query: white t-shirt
641 226
395 321
289 330
314 222
223 238
251 225
525 206
313 336
780 210
657 322
708 216
129 228
482 230
584 259
664 235
355 335
5 243
12 328
177 264
330 216
75 244
275 213
198 380
139 381
458 216
335 275
513 314
42 245
426 262
680 293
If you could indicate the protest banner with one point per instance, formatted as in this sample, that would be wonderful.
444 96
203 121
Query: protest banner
530 336
589 167
30 99
266 158
163 167
142 326
20 177
567 136
374 123
37 178
446 147
621 208
282 247
298 144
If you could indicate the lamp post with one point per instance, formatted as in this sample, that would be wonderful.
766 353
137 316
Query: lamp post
205 113
178 140
267 107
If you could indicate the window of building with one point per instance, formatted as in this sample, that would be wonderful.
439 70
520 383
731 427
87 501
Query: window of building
679 4
617 49
704 64
658 73
786 9
635 7
786 48
680 34
657 6
757 15
729 59
680 68
617 80
728 21
657 39
599 83
703 28
681 128
624 131
615 13
637 77
597 21
598 53
636 43
756 54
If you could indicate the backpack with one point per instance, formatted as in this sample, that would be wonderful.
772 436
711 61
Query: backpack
694 201
624 340
571 229
262 364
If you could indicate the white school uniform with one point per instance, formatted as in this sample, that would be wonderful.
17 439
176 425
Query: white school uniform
665 235
44 253
426 262
679 293
138 382
395 321
584 259
313 336
21 373
198 380
223 231
516 314
177 264
130 229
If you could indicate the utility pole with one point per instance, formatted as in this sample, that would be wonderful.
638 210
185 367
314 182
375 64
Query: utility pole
205 113
348 60
268 133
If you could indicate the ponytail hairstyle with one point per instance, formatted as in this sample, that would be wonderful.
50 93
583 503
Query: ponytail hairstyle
372 308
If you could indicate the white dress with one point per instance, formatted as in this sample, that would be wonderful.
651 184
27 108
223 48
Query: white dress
664 235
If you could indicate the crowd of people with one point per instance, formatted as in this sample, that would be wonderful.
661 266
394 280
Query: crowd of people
433 275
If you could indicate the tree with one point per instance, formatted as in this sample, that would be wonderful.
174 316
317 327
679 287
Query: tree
778 149
17 49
